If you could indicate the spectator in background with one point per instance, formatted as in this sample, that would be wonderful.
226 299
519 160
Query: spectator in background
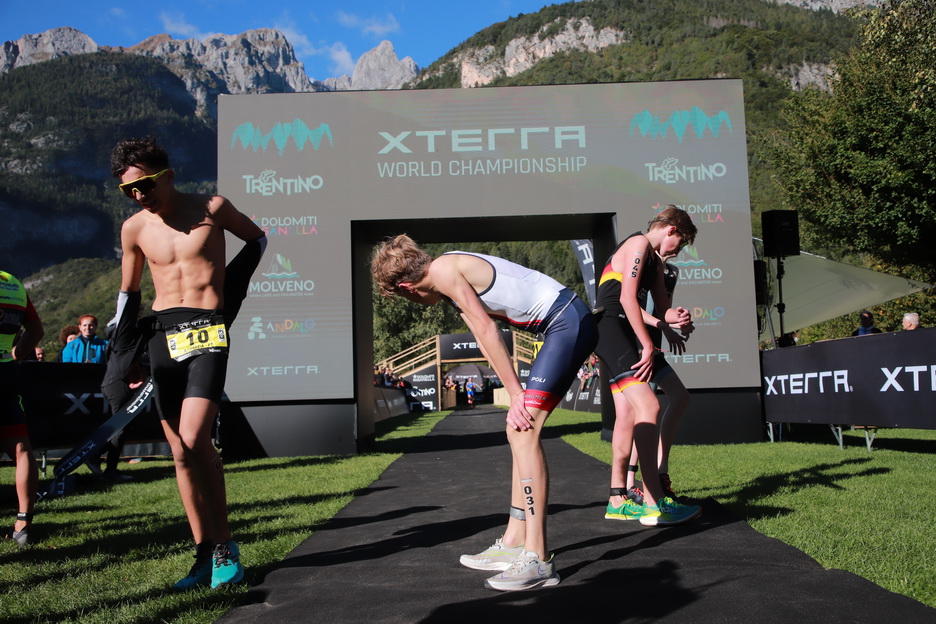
866 325
66 335
589 372
911 320
87 347
40 354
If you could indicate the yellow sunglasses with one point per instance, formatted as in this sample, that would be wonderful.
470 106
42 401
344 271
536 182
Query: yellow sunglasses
144 185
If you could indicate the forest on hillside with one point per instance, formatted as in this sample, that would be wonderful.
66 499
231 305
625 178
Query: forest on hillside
54 150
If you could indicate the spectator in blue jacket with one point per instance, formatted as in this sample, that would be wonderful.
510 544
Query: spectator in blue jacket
87 347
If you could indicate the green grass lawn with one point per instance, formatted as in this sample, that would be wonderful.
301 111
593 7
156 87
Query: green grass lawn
868 513
109 553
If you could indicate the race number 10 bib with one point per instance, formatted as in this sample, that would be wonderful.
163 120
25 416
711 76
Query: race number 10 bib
190 339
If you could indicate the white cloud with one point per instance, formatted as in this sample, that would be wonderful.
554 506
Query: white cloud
300 43
342 63
374 26
175 25
341 60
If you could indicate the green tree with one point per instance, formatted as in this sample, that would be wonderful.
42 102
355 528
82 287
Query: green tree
859 163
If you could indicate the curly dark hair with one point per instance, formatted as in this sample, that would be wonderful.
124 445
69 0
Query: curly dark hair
68 330
136 152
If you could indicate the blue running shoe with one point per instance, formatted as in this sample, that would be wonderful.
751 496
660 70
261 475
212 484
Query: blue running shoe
200 574
226 566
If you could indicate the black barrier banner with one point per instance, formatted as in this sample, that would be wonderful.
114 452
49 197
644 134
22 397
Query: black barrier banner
465 347
568 399
425 391
884 380
585 253
64 405
583 399
523 372
391 402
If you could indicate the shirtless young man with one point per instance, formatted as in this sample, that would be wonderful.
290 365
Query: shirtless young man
482 288
181 237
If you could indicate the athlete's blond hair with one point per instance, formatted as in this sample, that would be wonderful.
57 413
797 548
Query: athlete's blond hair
398 259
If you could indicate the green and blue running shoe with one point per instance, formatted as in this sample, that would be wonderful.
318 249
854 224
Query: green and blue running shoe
226 566
629 510
200 574
667 486
668 512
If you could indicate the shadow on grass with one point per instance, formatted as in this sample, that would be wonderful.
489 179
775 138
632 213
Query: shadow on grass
902 445
176 603
281 463
742 500
97 554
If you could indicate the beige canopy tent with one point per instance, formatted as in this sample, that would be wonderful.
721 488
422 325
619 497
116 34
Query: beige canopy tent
817 289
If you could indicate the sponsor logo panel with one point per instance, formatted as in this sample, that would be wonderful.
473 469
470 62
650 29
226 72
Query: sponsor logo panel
484 143
681 124
693 269
302 225
284 370
264 328
280 280
671 171
268 184
295 135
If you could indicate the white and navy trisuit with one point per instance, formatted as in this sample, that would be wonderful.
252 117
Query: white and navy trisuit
537 303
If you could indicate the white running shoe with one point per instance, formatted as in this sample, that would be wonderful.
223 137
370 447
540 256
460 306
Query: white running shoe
526 572
497 557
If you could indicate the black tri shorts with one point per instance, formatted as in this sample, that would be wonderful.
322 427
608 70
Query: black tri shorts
195 336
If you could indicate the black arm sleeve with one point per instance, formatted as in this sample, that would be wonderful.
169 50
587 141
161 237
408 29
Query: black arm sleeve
237 277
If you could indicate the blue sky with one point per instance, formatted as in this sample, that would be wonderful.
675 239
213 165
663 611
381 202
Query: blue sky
328 37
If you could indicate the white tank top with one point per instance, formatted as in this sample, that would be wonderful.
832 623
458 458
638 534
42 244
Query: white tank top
521 296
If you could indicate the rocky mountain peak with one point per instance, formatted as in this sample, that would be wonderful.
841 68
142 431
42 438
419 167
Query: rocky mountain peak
480 66
45 46
380 68
256 61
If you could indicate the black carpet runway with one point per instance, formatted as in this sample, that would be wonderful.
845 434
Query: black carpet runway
392 554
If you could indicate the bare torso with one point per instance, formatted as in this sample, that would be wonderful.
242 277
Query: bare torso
184 250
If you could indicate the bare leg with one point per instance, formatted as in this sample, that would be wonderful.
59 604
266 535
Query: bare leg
530 491
646 437
26 475
621 442
199 471
516 528
678 398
